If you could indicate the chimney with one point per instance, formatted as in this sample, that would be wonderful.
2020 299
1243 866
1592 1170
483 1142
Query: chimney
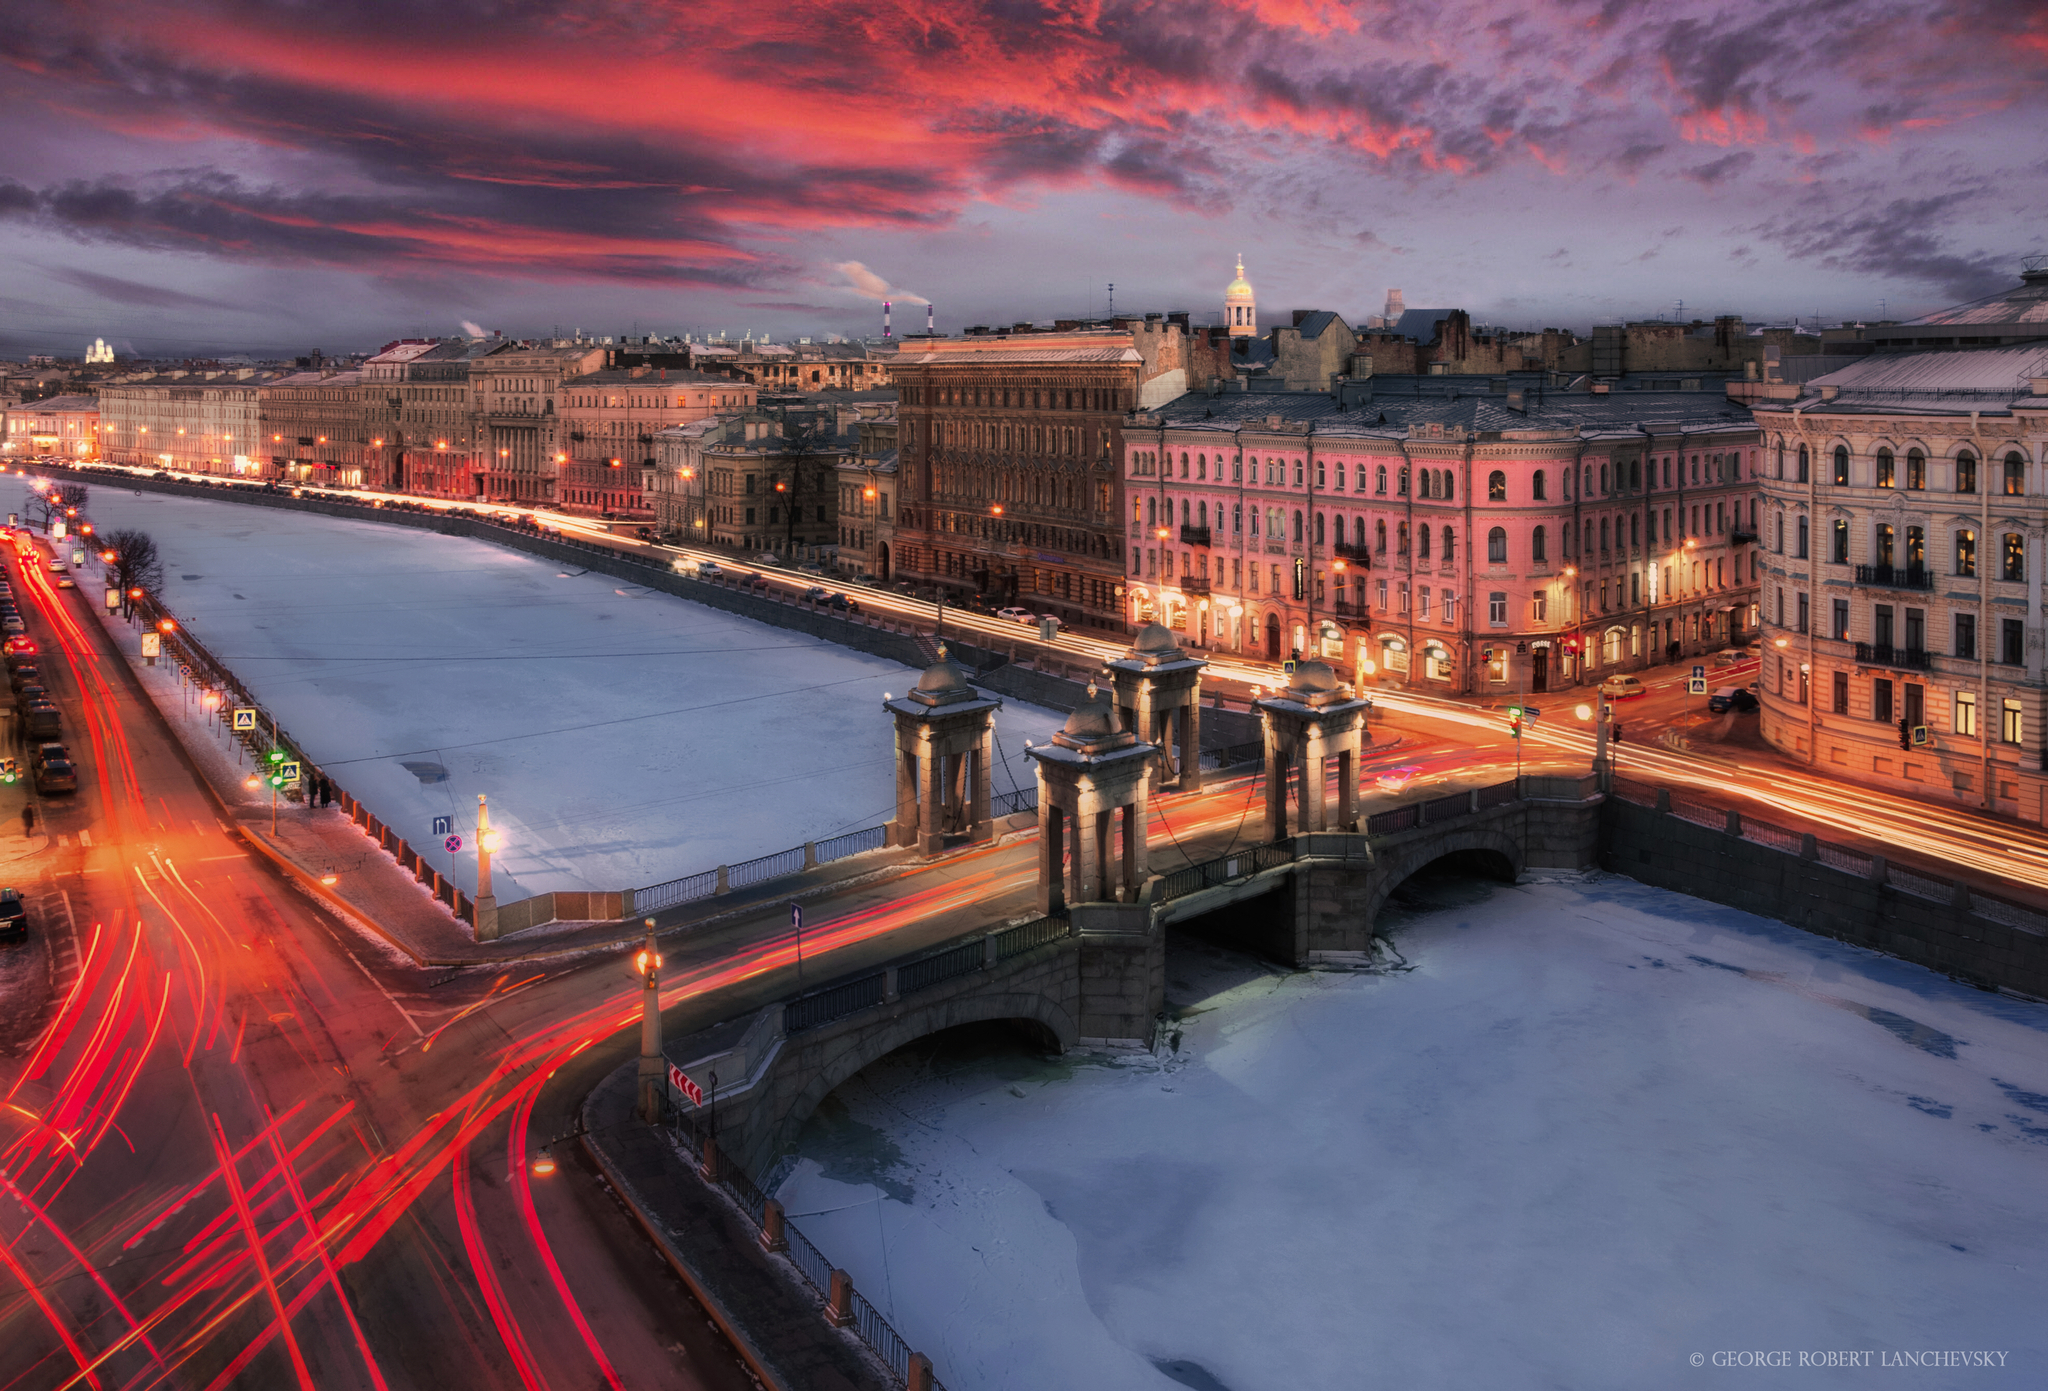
886 307
930 317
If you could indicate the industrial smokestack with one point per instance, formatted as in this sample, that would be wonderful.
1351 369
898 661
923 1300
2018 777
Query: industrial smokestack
885 318
929 312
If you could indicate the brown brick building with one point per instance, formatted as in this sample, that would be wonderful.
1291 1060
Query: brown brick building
1008 439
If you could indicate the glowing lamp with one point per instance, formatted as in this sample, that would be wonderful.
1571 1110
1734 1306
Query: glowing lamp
491 840
135 593
168 625
1584 712
330 879
645 961
543 1164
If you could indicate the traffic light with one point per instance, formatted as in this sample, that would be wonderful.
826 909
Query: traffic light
1617 731
10 771
1486 655
1571 645
1515 720
1905 735
277 755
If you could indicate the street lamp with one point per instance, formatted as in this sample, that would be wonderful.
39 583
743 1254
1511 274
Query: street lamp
653 1069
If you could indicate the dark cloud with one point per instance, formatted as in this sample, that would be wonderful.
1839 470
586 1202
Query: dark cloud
1906 239
120 291
1714 171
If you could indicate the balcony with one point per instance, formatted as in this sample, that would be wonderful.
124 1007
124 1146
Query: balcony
1347 551
1739 537
1194 584
1895 576
1883 654
1194 536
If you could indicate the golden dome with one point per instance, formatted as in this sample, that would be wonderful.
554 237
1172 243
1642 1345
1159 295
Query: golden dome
1239 288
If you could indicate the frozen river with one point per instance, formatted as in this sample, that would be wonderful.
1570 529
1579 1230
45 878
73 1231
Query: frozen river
1594 1131
623 736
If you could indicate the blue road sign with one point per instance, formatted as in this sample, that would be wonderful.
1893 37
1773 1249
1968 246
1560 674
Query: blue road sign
443 825
1696 686
1698 672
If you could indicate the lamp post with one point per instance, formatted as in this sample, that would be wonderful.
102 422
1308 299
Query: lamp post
653 1069
486 903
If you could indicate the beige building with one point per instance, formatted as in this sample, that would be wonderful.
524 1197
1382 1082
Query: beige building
675 486
1906 519
809 368
515 397
867 487
610 422
64 427
314 431
761 496
199 422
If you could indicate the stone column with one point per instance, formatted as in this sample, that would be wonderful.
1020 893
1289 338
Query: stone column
1191 740
1276 785
980 823
931 773
1052 896
1347 791
1086 871
906 796
1311 783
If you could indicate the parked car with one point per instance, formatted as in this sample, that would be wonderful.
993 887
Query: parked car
13 916
24 674
19 647
708 570
1016 615
41 721
31 693
841 602
66 582
57 567
1051 618
13 626
1731 698
1622 687
816 593
54 774
768 558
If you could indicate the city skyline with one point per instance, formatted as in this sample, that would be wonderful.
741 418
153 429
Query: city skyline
296 179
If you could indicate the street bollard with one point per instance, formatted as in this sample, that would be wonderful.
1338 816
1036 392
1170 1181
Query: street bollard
710 1165
920 1378
773 1237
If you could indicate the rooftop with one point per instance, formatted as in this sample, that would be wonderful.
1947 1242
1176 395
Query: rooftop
1954 382
1578 414
57 405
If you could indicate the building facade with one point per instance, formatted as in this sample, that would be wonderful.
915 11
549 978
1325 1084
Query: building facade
611 419
770 486
199 422
1906 511
1463 544
1008 442
314 429
867 491
809 368
515 396
66 427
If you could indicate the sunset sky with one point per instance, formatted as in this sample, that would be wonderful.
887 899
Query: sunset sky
285 175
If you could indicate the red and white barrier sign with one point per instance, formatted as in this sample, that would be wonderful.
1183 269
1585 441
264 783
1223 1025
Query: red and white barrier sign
683 1084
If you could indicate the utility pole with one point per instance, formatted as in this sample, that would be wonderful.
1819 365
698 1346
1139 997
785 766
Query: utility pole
653 1067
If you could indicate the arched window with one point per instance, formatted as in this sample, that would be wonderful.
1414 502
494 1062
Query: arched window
1151 511
1538 542
2014 564
1886 472
1297 526
1183 465
1319 528
1379 530
1450 546
1603 534
1401 537
1635 474
1403 484
1424 482
1236 519
1496 486
1916 469
1536 486
1804 465
1497 546
1450 485
1635 531
1966 554
1841 478
1422 542
1966 472
1202 515
1379 484
2015 474
1358 533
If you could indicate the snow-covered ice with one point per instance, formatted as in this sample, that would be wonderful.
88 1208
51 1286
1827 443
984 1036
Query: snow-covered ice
1595 1130
623 736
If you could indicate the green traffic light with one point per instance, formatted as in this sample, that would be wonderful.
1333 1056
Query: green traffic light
277 755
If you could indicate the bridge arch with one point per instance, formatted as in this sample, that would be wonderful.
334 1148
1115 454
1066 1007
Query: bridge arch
1483 850
833 1059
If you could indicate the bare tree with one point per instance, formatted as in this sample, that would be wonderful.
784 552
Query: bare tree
59 500
136 564
802 435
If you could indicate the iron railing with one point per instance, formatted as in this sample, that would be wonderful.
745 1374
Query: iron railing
774 866
1446 808
1386 823
1883 654
1253 859
1010 803
962 960
834 1002
852 843
1024 937
1194 536
1895 576
687 889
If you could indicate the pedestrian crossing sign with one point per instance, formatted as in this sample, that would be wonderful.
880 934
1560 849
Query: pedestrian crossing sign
1696 685
288 771
245 719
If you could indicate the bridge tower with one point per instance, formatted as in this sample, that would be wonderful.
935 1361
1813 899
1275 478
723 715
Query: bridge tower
1159 695
1315 719
1092 775
945 737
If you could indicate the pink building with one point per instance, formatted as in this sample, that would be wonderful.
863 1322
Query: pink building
1457 541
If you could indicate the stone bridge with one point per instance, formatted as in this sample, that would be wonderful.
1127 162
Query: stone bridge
1095 976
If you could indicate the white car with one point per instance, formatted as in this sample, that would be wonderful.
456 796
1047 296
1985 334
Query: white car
1622 687
1016 615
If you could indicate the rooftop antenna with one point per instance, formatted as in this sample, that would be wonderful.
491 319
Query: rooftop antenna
886 307
1112 299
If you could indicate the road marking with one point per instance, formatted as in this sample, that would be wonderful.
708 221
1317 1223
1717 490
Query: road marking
209 859
203 828
418 1032
85 838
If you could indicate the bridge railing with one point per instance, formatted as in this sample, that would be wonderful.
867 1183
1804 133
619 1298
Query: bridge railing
1251 860
921 971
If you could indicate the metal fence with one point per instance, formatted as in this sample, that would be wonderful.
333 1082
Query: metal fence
962 960
834 1002
1919 885
1699 813
1222 870
1842 857
1385 823
1446 808
852 843
1024 937
1010 803
1642 794
774 866
1776 837
687 889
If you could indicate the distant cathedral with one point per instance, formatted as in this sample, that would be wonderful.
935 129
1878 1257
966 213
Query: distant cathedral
99 351
1240 306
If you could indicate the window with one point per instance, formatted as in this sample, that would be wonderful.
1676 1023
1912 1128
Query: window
1916 469
1379 484
1841 479
2015 474
1885 470
1966 554
1496 486
1497 546
1497 609
2014 563
1916 548
1799 551
1916 630
1422 542
1805 619
1379 534
1964 709
1402 482
1422 602
1536 486
2012 641
1803 467
1297 527
1319 528
2011 722
1839 547
1537 543
1966 635
1881 701
1840 631
1539 607
1450 545
1380 593
1841 693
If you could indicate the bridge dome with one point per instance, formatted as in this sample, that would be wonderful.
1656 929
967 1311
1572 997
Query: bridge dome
1094 726
943 683
1315 677
1154 640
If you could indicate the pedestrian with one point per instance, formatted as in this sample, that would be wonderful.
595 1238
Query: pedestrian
28 822
326 791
